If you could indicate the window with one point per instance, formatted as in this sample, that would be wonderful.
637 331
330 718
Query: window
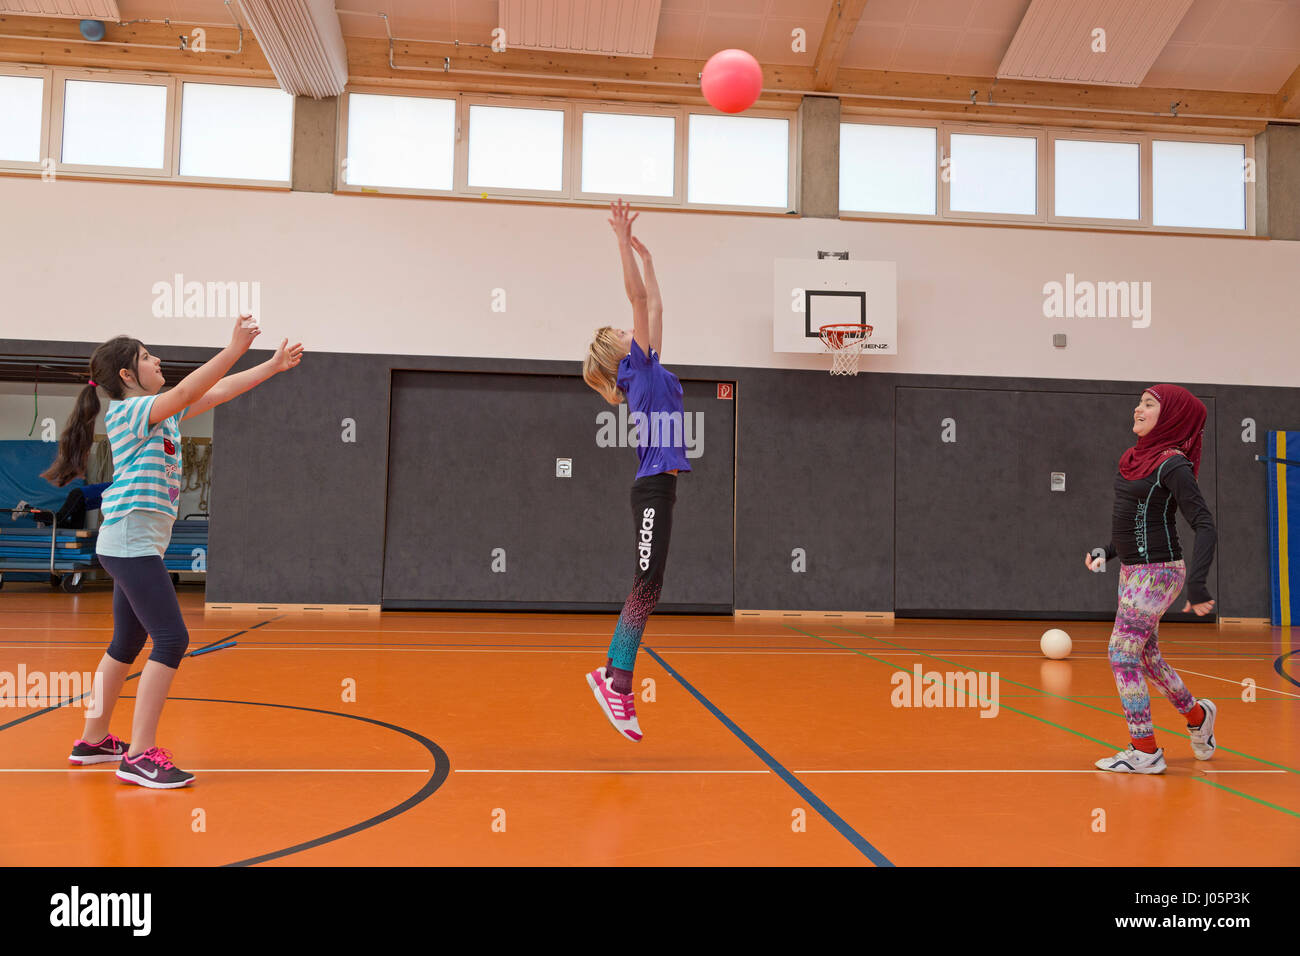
1200 185
627 154
117 124
405 142
22 104
236 132
1097 180
888 169
993 174
738 161
516 148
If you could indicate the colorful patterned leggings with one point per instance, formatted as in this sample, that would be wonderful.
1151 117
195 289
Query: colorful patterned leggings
1145 592
653 498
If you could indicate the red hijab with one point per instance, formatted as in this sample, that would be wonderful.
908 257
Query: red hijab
1179 430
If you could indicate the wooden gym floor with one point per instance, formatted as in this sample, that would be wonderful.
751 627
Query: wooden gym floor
473 739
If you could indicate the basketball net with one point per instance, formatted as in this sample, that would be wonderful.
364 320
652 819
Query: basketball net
846 343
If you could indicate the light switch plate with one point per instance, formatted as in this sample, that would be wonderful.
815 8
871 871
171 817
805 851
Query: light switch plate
564 468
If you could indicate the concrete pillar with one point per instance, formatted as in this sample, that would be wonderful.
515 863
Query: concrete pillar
1280 165
819 157
315 137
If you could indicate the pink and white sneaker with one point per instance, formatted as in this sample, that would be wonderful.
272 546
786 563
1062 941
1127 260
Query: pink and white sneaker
110 748
619 708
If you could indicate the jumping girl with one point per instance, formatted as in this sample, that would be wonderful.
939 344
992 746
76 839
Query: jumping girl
138 509
623 365
1156 474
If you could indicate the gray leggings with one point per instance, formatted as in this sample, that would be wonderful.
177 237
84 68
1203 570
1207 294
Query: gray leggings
145 605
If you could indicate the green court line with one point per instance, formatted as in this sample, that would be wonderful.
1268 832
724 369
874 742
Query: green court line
1044 720
1048 693
889 664
1246 795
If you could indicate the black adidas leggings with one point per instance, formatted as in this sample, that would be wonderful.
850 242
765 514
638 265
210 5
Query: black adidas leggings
145 605
653 498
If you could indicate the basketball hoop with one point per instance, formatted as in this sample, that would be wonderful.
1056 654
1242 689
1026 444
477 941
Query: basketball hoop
845 342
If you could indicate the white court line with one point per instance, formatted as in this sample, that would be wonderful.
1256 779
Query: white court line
71 769
83 770
580 650
1228 680
1095 770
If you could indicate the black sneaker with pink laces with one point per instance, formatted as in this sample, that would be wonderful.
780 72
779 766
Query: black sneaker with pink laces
153 769
110 748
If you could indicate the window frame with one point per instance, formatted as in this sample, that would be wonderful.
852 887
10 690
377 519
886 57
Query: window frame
129 77
937 126
341 142
46 74
1038 134
178 110
793 134
1047 175
460 171
678 197
1248 144
1143 144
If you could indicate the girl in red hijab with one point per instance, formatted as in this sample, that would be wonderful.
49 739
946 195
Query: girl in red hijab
1157 475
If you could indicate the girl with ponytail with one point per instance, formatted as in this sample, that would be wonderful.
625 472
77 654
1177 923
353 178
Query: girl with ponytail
138 510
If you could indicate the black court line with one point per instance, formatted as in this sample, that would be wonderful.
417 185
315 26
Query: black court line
72 700
841 825
1277 666
441 765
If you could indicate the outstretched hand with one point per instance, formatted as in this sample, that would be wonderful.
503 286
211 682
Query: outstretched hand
286 356
621 221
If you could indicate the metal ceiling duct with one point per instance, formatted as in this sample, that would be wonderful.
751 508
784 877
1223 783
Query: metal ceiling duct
302 42
1101 42
609 27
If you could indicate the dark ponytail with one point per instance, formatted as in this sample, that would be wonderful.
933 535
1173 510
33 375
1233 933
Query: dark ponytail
78 436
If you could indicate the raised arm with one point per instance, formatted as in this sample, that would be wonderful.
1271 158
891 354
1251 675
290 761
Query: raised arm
232 386
195 385
632 283
654 302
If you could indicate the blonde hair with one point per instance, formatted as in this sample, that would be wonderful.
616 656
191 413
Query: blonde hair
600 367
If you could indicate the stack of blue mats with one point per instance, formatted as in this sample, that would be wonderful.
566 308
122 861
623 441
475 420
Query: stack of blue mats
30 548
187 538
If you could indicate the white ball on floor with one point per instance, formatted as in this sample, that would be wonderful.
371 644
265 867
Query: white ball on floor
1056 644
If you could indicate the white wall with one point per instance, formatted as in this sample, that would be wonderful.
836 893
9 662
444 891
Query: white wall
78 261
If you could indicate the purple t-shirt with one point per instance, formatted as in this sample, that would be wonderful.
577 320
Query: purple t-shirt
654 401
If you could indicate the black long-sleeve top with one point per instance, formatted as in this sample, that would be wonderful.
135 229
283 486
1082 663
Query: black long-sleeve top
1143 530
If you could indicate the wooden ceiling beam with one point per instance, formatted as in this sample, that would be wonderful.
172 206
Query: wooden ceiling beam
52 43
1286 103
540 73
841 22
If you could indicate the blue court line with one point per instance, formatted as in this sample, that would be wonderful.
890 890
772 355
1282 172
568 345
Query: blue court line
831 817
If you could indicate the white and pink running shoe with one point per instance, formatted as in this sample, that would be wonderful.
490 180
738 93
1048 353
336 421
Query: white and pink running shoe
619 708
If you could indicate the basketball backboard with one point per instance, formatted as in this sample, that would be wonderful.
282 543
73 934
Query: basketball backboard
810 293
